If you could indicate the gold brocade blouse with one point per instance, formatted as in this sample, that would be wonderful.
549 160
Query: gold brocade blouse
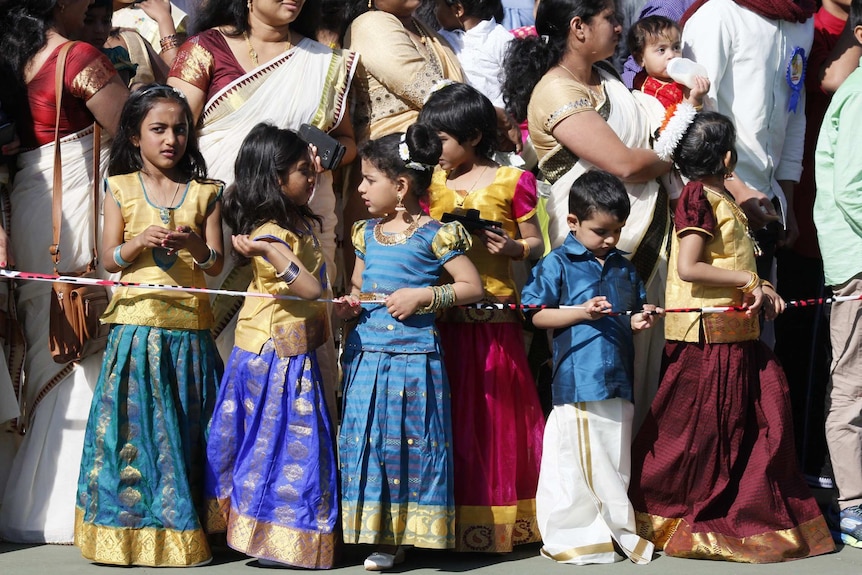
510 200
728 247
166 309
295 326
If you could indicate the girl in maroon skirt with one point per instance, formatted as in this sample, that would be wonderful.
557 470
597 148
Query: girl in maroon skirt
714 468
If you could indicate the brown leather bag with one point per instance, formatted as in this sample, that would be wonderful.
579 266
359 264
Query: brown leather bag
75 331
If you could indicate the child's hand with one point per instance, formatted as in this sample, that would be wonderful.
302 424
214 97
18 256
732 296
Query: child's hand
315 159
597 307
753 301
773 304
647 318
500 243
694 96
347 307
178 239
404 302
249 248
153 237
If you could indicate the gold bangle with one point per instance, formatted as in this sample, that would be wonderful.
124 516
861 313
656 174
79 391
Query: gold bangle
752 284
169 42
526 252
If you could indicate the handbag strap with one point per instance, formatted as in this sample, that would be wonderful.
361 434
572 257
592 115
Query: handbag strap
57 202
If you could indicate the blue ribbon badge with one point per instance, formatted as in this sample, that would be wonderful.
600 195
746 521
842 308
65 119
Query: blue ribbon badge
796 76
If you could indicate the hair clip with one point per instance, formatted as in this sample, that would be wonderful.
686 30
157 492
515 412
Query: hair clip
160 88
544 38
437 87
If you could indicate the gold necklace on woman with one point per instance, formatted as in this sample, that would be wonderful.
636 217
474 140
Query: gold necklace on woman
392 239
599 95
252 53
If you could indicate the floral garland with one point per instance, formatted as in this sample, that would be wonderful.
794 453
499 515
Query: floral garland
676 121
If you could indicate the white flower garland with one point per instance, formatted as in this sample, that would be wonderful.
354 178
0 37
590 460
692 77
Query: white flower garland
673 132
404 154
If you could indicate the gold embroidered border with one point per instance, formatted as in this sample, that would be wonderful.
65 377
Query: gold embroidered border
429 526
577 552
298 547
495 529
141 546
676 538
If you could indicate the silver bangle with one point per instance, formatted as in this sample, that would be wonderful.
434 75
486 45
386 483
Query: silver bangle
209 262
289 274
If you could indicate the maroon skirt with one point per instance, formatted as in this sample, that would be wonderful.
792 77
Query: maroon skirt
714 472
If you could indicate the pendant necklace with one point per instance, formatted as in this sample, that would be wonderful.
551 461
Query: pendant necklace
459 199
166 210
252 53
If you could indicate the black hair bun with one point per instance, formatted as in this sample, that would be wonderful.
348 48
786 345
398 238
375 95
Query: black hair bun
424 144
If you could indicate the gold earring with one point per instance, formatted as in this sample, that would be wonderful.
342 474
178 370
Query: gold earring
399 207
249 5
369 4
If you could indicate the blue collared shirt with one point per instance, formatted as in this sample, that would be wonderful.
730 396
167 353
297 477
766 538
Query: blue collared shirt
593 360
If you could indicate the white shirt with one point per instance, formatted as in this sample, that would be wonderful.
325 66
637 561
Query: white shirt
747 57
481 52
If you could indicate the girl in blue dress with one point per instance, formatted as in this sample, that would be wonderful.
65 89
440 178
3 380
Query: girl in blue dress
396 437
271 479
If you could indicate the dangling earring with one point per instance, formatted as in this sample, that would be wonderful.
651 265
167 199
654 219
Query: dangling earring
399 207
370 7
249 5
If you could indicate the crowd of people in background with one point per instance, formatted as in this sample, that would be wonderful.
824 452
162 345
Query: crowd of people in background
556 292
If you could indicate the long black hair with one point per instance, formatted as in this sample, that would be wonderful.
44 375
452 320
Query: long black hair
24 24
462 112
530 58
233 15
126 157
266 156
704 145
423 147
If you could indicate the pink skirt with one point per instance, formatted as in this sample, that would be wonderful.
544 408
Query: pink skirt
497 433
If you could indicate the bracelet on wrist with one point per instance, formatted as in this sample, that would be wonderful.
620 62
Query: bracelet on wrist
169 42
209 262
525 253
752 284
442 297
118 257
289 274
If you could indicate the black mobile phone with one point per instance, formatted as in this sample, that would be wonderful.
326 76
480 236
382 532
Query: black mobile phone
7 133
329 149
471 220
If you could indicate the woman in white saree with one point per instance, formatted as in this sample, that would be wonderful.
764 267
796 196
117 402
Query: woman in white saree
254 61
581 116
39 499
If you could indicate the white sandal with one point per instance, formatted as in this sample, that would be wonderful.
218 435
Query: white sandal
378 561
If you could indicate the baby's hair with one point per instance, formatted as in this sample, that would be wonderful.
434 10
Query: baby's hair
704 145
599 191
126 157
855 13
482 9
647 29
462 112
256 197
424 149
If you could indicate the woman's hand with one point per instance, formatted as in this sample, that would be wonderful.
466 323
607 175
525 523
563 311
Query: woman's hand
404 302
773 304
158 10
7 257
347 307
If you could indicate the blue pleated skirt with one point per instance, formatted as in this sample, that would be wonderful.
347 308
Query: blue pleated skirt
271 478
395 446
140 490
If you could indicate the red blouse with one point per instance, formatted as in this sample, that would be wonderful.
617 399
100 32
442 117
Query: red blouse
87 72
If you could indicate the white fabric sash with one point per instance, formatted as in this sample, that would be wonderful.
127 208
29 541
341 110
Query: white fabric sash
629 121
31 199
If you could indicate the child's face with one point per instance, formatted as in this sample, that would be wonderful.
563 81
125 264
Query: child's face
660 50
298 182
379 193
599 233
97 26
163 136
448 16
455 153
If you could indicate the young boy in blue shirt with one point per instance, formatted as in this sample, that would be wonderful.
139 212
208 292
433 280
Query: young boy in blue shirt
582 504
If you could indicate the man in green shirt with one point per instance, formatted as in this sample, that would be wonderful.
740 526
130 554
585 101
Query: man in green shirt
838 217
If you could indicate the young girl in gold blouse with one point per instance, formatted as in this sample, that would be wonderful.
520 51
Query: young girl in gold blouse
497 420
